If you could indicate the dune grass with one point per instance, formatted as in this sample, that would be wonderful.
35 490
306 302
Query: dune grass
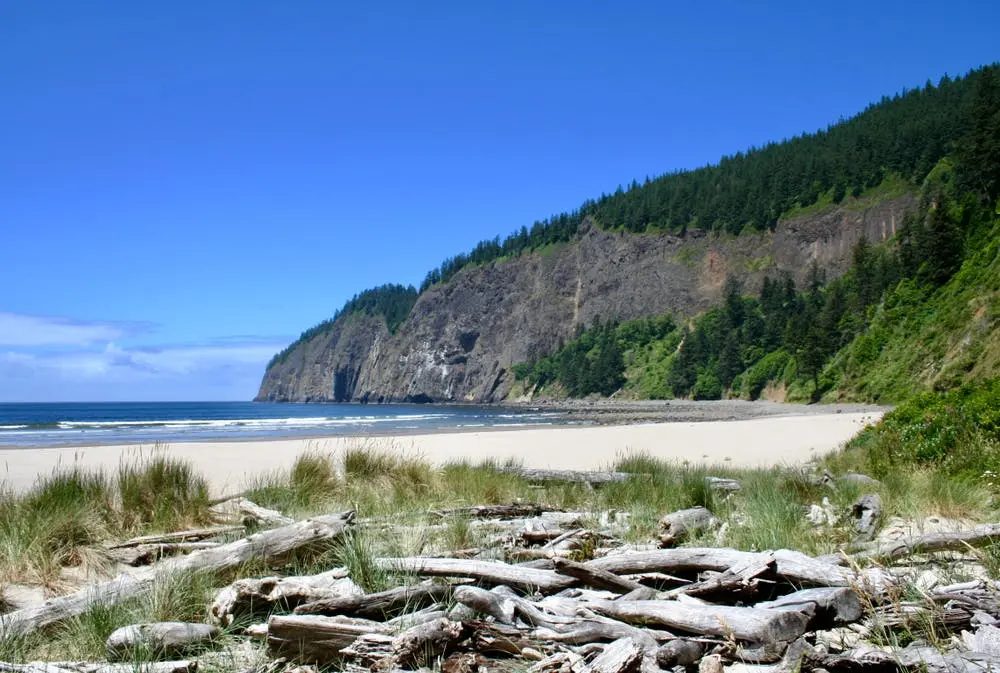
67 517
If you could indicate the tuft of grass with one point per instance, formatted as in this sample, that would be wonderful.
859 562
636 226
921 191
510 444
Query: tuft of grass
162 493
309 485
357 552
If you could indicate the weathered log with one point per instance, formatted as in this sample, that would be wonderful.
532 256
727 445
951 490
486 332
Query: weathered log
496 639
180 536
313 639
239 508
595 577
99 667
594 629
487 572
574 476
680 652
485 602
723 485
381 604
745 624
251 597
867 512
568 535
161 639
931 542
912 658
741 578
145 554
793 566
622 656
678 526
274 546
985 639
512 511
416 646
826 606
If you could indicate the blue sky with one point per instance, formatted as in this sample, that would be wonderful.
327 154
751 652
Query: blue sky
186 186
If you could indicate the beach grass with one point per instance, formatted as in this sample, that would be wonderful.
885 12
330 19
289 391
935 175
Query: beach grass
56 532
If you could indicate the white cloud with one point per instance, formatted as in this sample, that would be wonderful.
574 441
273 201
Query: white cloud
20 330
229 368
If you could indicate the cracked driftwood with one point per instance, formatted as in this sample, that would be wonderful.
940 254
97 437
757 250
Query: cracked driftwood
251 597
273 546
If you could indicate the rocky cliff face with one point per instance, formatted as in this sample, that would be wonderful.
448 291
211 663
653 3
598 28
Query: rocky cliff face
462 337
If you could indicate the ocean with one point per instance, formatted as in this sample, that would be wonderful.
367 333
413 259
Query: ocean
66 424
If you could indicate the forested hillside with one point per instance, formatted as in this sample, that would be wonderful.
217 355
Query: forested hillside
910 184
904 136
918 312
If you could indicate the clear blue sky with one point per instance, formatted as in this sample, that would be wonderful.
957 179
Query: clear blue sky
186 186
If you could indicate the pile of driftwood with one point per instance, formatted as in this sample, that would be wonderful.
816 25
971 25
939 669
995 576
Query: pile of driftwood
628 609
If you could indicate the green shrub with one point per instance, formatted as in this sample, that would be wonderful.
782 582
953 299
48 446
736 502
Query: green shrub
957 432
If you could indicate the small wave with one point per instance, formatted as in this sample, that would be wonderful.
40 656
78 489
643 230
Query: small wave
12 427
246 422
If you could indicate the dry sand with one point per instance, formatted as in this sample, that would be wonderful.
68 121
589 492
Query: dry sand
228 465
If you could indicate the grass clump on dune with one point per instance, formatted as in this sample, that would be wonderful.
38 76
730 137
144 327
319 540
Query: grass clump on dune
63 519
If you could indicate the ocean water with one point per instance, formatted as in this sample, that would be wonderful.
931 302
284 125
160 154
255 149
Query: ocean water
62 424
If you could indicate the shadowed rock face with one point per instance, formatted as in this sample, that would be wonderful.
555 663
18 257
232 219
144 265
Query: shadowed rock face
462 337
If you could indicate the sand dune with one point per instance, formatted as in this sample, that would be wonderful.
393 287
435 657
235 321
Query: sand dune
228 465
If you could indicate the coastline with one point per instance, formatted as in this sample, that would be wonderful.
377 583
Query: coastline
229 465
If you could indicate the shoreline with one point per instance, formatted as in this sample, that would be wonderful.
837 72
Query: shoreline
229 465
574 413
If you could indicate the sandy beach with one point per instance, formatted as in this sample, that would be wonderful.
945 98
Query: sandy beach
228 465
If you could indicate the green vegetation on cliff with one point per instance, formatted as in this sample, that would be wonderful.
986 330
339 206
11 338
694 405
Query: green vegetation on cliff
391 302
892 144
921 313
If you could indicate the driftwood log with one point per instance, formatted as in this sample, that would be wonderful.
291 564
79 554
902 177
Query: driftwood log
274 546
678 526
573 476
99 667
250 597
595 577
381 604
317 639
192 535
487 572
247 511
746 624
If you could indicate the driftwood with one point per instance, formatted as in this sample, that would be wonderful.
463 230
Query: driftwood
595 577
145 554
678 526
826 607
99 667
741 579
747 624
679 653
250 597
381 604
622 656
867 512
316 639
487 572
493 604
923 659
416 646
512 511
181 536
932 542
247 511
574 476
162 639
273 546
